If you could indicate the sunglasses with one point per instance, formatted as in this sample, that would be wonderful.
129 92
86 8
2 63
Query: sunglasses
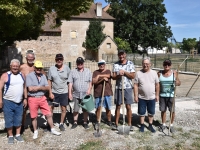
101 64
57 59
38 68
166 64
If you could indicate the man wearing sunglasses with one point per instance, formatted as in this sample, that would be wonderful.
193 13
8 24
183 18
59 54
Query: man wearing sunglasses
80 85
37 86
168 80
58 93
99 77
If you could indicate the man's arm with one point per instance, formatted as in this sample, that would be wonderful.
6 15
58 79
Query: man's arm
2 82
130 75
136 92
70 90
25 92
178 82
50 89
115 76
157 91
96 80
89 88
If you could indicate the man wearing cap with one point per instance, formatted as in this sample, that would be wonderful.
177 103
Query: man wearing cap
168 80
37 86
123 68
80 82
13 83
57 79
146 93
99 77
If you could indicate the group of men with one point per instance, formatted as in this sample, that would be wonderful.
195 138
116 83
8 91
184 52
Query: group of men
27 84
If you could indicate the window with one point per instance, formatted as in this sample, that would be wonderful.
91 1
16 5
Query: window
109 45
73 34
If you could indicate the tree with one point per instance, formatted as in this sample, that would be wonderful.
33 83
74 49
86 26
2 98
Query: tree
22 19
140 22
189 44
122 44
95 35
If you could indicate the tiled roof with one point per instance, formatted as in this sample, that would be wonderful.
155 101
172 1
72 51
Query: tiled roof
91 13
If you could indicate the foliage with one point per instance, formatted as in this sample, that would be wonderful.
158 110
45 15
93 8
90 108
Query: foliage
189 44
91 145
122 44
140 22
22 19
95 35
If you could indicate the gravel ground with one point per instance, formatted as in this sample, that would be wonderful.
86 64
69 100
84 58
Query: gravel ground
187 125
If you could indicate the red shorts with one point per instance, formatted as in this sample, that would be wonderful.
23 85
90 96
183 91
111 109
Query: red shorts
35 103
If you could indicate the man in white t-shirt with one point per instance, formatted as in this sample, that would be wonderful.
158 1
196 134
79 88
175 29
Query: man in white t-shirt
146 93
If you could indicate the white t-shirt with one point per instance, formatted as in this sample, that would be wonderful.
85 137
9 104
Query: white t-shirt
146 84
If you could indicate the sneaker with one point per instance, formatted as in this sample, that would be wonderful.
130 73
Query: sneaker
61 127
74 126
19 138
172 130
142 128
35 135
161 128
67 122
53 131
85 125
10 140
152 129
109 123
114 127
131 128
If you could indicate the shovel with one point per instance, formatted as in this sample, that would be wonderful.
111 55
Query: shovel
123 129
99 132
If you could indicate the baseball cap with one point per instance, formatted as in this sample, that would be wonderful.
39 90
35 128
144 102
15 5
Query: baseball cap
167 61
102 62
38 64
79 60
59 56
121 51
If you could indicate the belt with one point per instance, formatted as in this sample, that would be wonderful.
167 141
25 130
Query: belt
36 96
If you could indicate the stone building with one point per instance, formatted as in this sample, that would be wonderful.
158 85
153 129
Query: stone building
69 37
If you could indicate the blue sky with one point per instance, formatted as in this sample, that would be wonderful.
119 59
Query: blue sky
183 16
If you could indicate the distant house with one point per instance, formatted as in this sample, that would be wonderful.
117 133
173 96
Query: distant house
69 37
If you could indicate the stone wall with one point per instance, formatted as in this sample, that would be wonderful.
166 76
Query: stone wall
45 47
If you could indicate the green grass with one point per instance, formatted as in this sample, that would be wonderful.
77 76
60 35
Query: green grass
92 145
195 132
196 143
145 148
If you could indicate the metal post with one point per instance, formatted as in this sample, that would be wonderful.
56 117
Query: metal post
70 65
186 64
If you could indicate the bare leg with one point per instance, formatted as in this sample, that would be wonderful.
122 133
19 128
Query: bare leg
163 116
85 116
75 114
150 119
18 129
10 131
108 114
117 114
141 119
49 120
129 114
63 113
34 123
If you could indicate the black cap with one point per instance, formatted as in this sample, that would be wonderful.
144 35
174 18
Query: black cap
59 56
79 60
121 51
167 61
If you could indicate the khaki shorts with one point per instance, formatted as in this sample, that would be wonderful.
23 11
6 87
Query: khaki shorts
166 102
76 106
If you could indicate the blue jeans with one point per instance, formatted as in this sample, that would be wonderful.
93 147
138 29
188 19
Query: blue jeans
146 104
12 113
106 103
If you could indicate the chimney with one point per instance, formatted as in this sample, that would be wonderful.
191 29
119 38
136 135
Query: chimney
99 9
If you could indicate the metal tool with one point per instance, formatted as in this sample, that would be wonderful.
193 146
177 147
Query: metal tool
123 129
99 132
